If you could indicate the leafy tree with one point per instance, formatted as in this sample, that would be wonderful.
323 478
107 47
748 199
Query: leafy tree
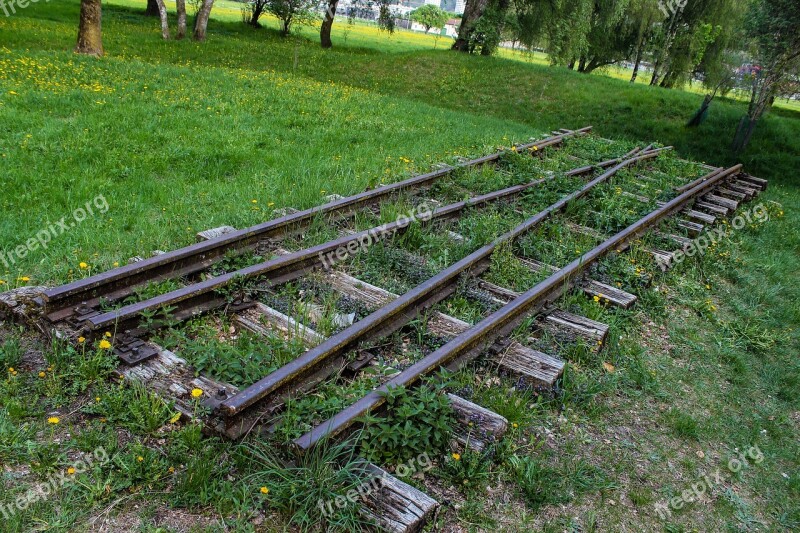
682 40
291 12
430 16
386 17
774 28
252 10
644 14
481 26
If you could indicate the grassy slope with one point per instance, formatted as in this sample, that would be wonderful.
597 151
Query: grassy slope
125 128
186 136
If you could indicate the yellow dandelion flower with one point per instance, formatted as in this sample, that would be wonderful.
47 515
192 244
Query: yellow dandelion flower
2 282
196 393
107 334
596 298
175 418
83 265
456 456
254 201
71 471
140 459
515 425
24 278
264 490
81 340
104 345
11 369
42 374
116 263
53 420
171 470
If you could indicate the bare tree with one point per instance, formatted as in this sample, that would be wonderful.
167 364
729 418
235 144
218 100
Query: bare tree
90 36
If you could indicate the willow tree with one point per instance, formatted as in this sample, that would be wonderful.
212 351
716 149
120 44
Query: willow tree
644 16
567 33
683 39
610 37
774 27
90 35
481 26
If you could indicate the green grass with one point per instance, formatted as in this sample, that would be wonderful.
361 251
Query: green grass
277 121
179 137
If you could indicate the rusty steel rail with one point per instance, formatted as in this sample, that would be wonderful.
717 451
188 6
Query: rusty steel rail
200 297
483 336
400 311
59 302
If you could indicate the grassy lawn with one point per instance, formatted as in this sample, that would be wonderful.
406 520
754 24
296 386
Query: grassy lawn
164 139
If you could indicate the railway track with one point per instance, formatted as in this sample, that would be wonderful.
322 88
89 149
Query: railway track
540 211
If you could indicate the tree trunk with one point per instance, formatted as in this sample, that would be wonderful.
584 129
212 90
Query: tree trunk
743 133
152 9
654 79
762 94
594 64
162 13
571 65
180 6
90 37
672 31
255 16
639 53
201 23
636 67
700 114
582 65
472 12
327 24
